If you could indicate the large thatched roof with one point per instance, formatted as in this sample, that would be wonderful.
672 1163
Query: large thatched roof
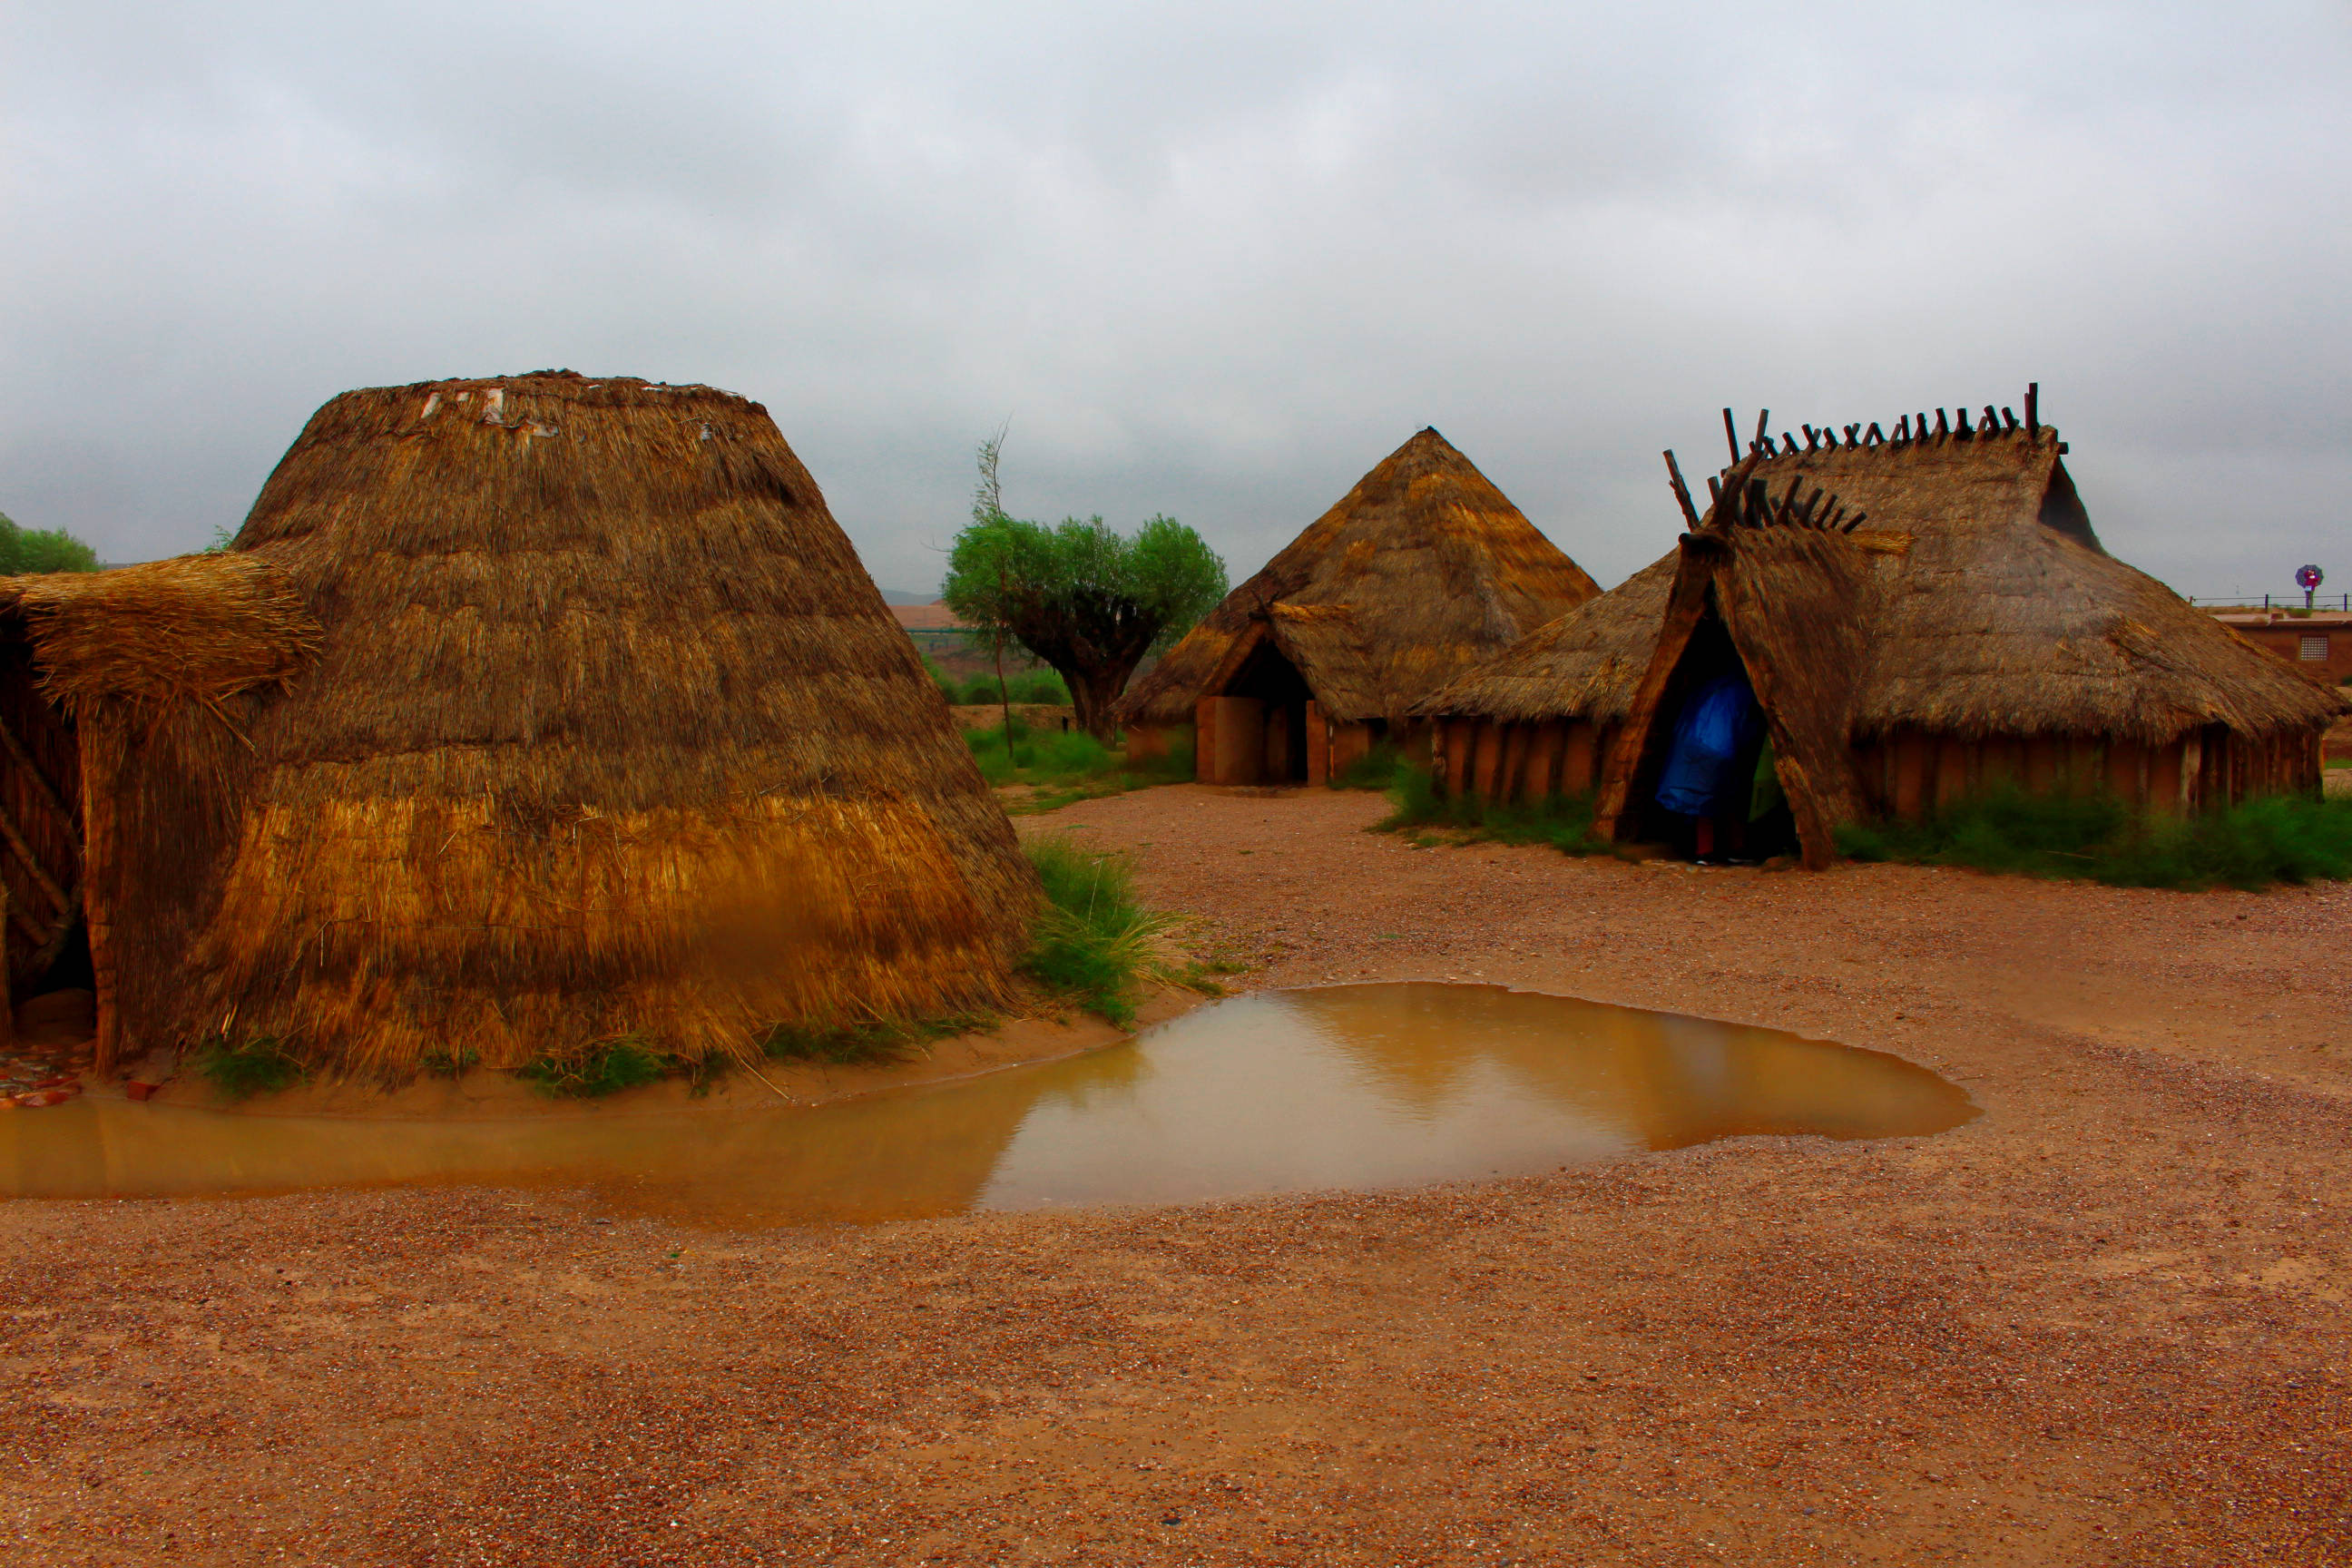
1420 570
600 727
1995 610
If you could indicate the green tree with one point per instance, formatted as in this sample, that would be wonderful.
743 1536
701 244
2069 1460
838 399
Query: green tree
1079 597
42 550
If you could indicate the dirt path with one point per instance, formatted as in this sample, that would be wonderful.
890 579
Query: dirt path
2105 1323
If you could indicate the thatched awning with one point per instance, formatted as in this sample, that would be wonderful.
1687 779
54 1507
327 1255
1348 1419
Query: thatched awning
195 629
1420 570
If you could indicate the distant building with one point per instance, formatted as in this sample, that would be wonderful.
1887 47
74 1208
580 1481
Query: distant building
2319 644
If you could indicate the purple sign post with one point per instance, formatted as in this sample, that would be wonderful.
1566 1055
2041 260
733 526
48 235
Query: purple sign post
2308 579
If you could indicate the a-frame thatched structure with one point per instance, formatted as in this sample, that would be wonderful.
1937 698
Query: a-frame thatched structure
1420 571
523 712
1919 616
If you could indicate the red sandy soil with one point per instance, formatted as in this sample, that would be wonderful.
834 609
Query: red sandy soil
2104 1323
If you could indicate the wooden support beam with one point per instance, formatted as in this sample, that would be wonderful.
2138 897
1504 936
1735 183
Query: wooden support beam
1731 434
32 862
1874 436
1682 490
99 774
42 785
2033 409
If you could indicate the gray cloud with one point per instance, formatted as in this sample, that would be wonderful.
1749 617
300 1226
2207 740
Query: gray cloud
1213 259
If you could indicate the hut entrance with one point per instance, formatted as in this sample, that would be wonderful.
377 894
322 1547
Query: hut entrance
1267 698
1707 784
40 834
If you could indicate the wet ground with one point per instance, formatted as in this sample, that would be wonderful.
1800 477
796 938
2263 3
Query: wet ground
2108 1322
1348 1085
43 1064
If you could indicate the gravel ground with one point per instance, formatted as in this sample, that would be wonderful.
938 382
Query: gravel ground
2104 1323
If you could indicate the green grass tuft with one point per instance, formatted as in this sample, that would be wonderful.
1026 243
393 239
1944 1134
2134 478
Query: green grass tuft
2254 845
261 1065
1562 821
597 1069
1091 941
1376 769
1066 765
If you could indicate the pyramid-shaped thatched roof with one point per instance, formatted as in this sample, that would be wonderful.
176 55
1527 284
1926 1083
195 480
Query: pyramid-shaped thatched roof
1993 609
523 712
1419 572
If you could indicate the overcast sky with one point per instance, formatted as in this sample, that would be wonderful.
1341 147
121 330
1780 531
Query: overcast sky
1209 259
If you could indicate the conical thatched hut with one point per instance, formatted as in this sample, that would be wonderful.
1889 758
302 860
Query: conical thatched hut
1418 573
1958 623
523 712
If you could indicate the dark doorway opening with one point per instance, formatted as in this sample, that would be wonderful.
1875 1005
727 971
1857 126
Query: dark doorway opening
1269 678
40 833
1741 818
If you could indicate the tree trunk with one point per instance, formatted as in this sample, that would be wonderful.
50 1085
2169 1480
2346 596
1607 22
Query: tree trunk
1093 690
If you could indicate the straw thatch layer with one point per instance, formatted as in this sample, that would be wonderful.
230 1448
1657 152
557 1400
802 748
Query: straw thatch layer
197 629
1995 612
1585 664
608 732
1419 572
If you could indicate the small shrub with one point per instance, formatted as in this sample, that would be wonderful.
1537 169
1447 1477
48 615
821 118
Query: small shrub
240 1069
1044 758
597 1068
2253 844
1376 769
1091 941
1562 821
1040 686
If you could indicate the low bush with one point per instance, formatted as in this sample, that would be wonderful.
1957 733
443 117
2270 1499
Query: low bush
1039 685
1091 941
240 1069
2253 844
1562 821
1041 757
1376 769
597 1068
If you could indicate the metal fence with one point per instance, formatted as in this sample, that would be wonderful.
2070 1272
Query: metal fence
2276 602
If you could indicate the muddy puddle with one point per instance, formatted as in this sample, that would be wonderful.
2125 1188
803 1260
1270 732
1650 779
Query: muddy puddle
1340 1087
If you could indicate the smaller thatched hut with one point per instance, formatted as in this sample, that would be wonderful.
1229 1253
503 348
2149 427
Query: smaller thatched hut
524 712
1917 616
1418 573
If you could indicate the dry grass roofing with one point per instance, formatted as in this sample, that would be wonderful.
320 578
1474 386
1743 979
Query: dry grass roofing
523 712
1420 571
1984 605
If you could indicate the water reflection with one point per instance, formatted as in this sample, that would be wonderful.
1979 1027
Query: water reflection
1354 1087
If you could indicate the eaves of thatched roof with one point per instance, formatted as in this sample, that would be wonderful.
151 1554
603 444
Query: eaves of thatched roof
1420 570
1994 610
195 629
